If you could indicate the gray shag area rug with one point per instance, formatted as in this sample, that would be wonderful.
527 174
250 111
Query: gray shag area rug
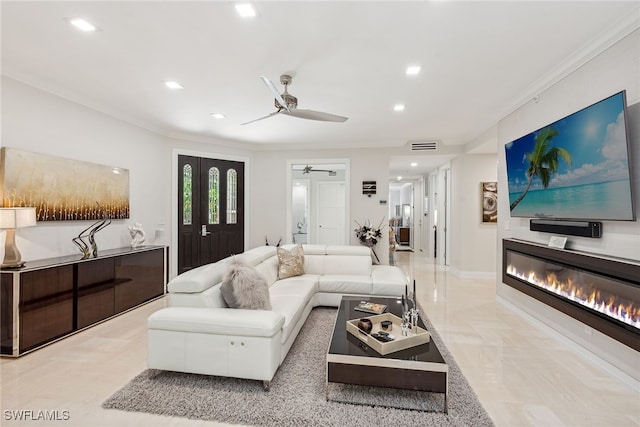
297 394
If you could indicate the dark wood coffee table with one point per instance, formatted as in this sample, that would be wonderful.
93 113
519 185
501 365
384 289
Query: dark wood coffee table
350 361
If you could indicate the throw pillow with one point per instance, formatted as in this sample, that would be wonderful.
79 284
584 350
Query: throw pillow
243 287
290 263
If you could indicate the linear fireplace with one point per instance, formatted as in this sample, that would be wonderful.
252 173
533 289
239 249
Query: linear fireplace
601 292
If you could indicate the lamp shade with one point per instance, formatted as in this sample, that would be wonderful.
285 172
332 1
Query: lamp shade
17 217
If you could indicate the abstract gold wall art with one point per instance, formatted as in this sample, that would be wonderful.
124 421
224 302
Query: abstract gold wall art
63 189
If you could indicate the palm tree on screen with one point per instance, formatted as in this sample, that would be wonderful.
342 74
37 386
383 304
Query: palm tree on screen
543 161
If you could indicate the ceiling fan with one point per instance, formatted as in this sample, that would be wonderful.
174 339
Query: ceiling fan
307 169
287 104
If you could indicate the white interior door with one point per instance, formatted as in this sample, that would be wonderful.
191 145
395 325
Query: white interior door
330 213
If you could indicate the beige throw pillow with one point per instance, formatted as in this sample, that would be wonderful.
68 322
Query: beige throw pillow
290 263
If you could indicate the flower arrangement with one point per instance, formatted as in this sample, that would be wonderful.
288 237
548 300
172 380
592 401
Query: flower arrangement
368 235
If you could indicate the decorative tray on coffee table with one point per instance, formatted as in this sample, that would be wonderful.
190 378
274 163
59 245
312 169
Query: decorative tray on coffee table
415 336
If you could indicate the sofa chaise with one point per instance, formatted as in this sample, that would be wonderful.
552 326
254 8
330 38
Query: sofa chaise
199 333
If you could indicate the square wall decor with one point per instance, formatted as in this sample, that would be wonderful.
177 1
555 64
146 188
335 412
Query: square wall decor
369 188
62 189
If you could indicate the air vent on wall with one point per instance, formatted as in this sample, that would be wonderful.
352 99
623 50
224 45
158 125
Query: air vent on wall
424 146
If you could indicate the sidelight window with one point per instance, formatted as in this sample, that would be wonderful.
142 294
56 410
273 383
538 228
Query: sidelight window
187 194
214 196
232 196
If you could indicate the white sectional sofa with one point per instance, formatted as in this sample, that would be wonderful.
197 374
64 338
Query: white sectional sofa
198 333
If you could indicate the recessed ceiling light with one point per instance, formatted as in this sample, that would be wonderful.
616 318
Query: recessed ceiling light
399 178
413 70
398 107
82 25
217 115
245 10
414 164
173 85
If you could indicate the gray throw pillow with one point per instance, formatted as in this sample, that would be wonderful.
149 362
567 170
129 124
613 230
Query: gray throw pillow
243 287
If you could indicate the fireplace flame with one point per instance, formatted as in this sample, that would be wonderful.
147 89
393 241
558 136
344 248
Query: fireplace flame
584 294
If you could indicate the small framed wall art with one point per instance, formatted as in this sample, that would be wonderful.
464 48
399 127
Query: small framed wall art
489 202
369 188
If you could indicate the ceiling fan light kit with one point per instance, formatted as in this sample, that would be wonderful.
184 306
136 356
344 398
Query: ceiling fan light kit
287 104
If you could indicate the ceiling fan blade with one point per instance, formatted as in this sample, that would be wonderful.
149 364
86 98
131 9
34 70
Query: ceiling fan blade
275 92
261 118
315 115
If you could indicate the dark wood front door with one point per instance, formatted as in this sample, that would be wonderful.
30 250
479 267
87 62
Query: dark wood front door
210 210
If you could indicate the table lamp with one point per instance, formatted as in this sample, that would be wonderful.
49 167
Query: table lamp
10 219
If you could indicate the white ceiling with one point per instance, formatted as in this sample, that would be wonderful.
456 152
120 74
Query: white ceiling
480 60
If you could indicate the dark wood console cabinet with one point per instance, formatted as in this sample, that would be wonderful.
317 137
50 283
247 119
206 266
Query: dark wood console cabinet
404 236
49 299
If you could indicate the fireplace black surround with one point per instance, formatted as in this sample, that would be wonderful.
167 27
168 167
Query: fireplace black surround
601 292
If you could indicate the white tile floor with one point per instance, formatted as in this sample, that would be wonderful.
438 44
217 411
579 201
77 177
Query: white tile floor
523 374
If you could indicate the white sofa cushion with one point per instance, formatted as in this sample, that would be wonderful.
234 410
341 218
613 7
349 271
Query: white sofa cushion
211 298
388 280
258 254
269 269
240 322
314 264
198 279
304 286
338 264
345 284
332 249
309 249
291 308
348 250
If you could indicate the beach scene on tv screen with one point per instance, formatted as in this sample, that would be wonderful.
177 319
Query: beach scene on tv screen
575 168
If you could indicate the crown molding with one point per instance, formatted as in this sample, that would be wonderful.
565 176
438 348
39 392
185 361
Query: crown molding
85 103
579 58
231 143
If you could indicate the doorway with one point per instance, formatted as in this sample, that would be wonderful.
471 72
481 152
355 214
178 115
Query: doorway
318 201
210 217
402 214
301 217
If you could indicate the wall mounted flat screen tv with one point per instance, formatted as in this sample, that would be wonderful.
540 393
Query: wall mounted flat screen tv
575 168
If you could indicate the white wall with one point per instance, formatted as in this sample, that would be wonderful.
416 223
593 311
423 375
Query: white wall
406 194
439 215
36 121
615 69
394 199
269 191
473 249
